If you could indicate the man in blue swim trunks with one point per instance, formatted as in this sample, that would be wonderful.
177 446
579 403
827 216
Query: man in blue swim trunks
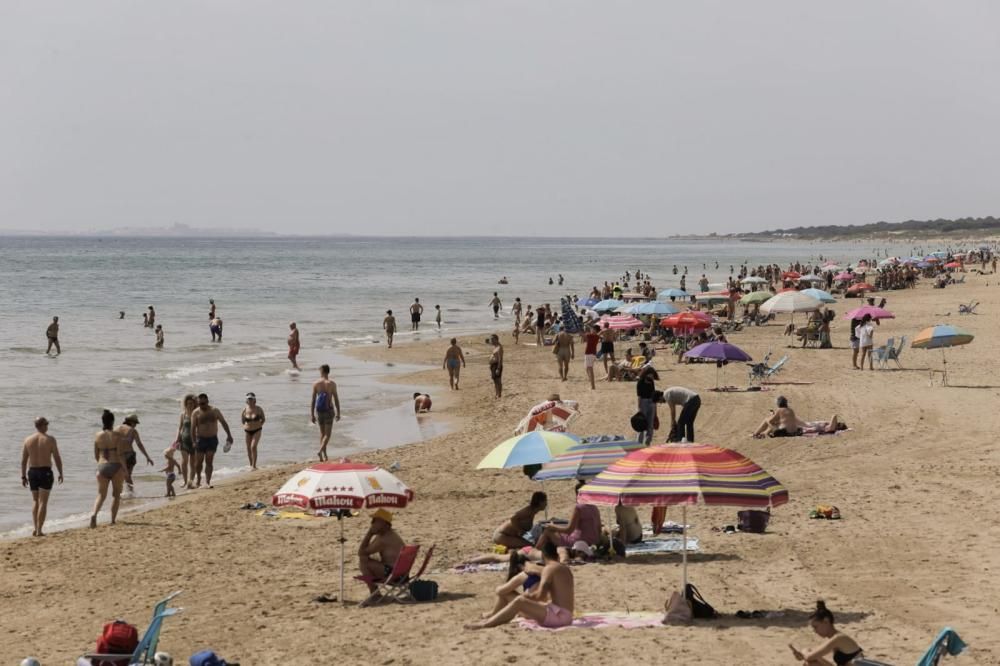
205 422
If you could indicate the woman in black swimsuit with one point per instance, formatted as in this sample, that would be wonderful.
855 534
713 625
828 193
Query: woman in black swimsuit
253 424
841 647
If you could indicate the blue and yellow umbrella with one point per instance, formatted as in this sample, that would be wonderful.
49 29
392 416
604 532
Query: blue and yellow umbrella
534 448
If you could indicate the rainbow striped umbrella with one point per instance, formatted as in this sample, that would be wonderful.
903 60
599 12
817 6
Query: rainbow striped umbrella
941 337
534 448
684 474
586 460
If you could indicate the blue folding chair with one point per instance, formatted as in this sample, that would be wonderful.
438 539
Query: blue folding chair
145 650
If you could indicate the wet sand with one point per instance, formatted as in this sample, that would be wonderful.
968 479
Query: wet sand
914 480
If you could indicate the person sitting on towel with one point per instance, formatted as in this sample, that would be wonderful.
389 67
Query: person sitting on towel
511 533
784 423
584 525
383 541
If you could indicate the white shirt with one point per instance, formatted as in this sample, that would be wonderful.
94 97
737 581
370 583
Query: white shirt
865 334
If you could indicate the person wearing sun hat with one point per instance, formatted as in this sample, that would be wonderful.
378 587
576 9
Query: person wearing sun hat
131 436
379 549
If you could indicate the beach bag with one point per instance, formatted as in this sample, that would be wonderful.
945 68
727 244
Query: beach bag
678 609
424 590
639 422
207 658
700 609
753 520
118 637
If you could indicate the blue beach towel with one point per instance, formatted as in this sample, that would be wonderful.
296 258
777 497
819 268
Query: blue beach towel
947 642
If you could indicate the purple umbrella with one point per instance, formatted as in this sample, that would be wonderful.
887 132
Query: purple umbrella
876 313
720 352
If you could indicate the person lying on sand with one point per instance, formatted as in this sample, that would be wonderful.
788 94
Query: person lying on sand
784 423
509 534
841 647
549 602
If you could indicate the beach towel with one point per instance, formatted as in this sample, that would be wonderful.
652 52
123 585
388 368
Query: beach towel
602 621
815 433
948 641
477 568
672 545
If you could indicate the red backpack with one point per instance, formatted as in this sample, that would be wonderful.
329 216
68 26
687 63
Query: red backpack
118 637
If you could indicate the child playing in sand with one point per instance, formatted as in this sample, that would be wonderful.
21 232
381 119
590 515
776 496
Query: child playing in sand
171 471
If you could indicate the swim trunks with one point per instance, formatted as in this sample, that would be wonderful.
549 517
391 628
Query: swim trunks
40 478
130 460
589 360
207 444
293 350
496 370
556 616
324 418
781 432
171 477
414 317
453 362
108 470
607 348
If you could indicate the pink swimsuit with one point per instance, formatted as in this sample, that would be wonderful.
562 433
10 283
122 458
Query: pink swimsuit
556 616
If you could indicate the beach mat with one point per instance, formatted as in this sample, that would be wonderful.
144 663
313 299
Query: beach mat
602 621
671 545
477 568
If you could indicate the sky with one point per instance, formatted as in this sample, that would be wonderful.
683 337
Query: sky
512 118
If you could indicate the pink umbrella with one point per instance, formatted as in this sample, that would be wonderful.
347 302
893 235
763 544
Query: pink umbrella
876 313
861 286
622 322
953 264
843 276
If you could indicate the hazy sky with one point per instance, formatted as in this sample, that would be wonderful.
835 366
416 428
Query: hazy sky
510 117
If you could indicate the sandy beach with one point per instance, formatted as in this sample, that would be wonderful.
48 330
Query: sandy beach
915 551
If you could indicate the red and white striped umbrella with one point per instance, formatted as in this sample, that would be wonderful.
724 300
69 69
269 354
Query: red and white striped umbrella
622 322
344 485
551 416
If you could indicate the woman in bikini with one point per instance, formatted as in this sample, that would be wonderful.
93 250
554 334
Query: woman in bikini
841 647
511 533
253 424
184 438
109 452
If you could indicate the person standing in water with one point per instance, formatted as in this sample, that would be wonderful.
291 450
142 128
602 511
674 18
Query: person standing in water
151 317
205 422
129 437
159 336
38 454
324 407
211 308
496 305
389 326
252 418
437 315
415 311
293 345
454 361
186 440
215 326
52 333
109 452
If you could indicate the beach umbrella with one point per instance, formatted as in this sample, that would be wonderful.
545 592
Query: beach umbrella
586 459
859 288
812 278
953 264
684 474
791 275
876 313
550 416
652 308
931 259
942 336
709 297
924 264
790 301
687 322
720 352
533 448
587 302
833 268
820 295
753 279
755 297
622 322
342 487
844 275
609 305
667 294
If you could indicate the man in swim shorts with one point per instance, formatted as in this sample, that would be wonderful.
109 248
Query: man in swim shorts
215 326
549 602
496 305
293 345
389 325
37 455
607 345
324 407
590 341
415 311
52 333
564 352
205 420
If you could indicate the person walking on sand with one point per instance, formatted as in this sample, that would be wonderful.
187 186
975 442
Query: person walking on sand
324 407
37 455
205 422
159 336
454 361
52 333
516 311
293 345
109 452
496 305
540 327
415 311
607 346
252 418
389 325
590 341
496 365
185 439
564 352
130 436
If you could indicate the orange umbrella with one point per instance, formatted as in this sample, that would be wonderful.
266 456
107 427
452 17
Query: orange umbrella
861 286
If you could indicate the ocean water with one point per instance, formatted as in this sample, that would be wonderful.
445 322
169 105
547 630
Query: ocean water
336 289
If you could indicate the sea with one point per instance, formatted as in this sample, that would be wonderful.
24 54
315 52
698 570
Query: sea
336 289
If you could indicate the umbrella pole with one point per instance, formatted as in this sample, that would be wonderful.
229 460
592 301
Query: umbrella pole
340 519
684 546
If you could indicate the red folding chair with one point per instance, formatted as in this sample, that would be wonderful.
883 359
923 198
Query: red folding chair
405 596
396 583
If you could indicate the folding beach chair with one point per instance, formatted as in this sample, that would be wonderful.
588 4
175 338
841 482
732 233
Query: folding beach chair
146 648
775 369
404 596
947 643
396 583
968 309
893 353
881 354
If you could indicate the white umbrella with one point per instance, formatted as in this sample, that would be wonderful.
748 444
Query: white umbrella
753 279
790 301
